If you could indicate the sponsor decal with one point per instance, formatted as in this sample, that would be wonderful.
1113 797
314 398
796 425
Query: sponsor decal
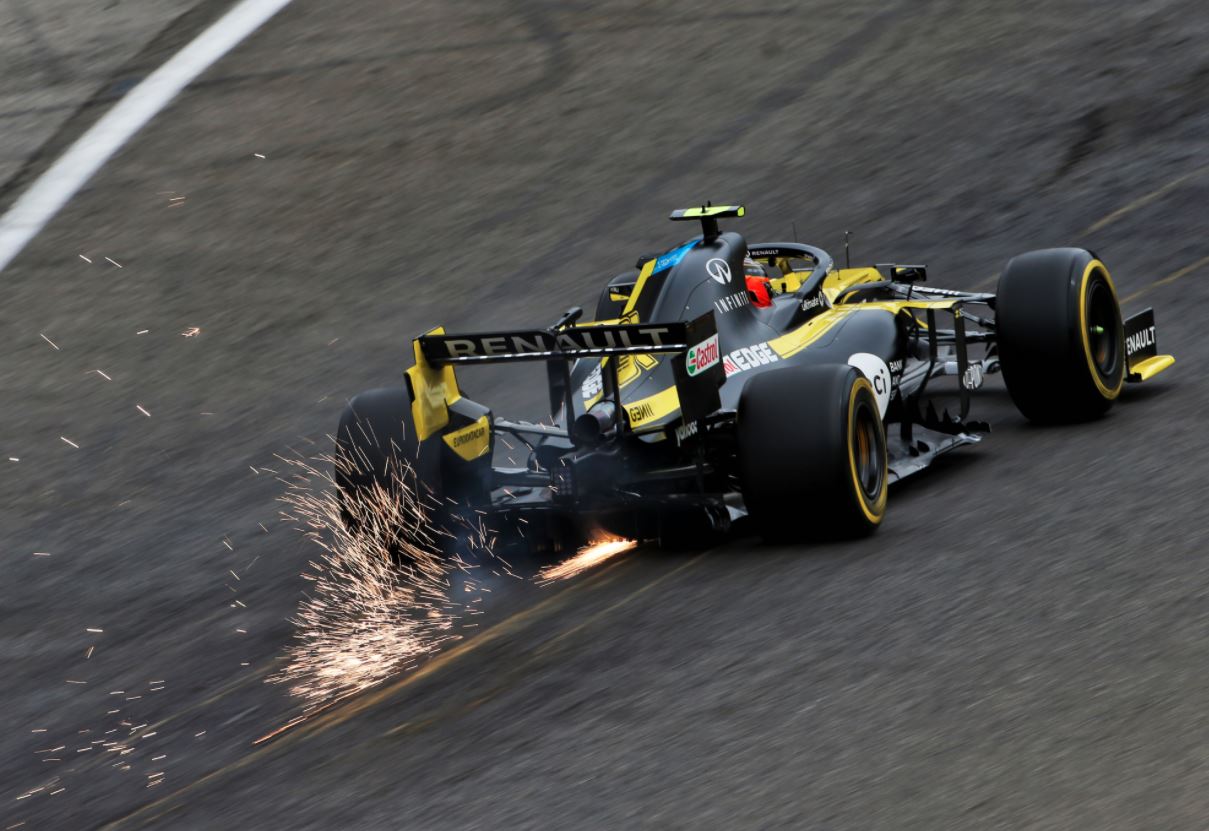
749 357
581 339
896 367
813 302
685 431
702 356
731 302
474 434
594 384
672 257
757 253
640 413
1139 340
875 369
971 379
719 270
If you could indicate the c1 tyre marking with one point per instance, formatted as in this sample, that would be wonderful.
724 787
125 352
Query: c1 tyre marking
879 507
1093 266
878 374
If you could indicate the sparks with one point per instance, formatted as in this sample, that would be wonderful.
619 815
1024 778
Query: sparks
85 259
69 441
142 410
113 262
364 618
102 374
191 332
603 548
51 342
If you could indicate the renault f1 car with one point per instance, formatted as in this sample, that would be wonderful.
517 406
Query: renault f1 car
684 406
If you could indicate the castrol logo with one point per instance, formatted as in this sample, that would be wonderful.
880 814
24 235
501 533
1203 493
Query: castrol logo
702 356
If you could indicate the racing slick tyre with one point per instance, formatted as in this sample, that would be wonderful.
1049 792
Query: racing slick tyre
1060 336
378 459
812 453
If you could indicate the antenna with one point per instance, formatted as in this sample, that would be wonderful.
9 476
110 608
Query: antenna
847 261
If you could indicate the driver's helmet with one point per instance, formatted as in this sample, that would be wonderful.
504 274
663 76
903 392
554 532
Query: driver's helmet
759 289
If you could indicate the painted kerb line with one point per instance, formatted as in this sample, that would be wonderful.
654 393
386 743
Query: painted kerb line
54 188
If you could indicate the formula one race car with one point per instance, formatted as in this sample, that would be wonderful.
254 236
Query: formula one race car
686 406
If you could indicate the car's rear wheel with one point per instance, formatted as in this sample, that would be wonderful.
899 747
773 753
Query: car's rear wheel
812 453
381 473
1060 335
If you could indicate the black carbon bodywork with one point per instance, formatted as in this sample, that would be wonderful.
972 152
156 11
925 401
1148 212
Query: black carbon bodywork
643 435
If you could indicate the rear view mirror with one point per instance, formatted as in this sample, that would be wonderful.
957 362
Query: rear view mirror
904 273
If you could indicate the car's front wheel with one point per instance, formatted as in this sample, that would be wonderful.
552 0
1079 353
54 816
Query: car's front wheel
1060 337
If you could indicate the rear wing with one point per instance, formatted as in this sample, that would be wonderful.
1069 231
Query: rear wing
568 344
698 368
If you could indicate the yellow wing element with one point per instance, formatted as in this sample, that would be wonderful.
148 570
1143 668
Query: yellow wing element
708 211
1150 367
433 389
471 441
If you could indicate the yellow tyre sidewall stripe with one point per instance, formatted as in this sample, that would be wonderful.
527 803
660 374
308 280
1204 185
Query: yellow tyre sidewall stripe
877 510
1093 267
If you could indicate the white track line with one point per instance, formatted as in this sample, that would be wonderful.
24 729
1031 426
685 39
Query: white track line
54 188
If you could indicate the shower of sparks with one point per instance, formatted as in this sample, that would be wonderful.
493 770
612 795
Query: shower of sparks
102 374
113 262
604 547
85 259
366 617
51 342
191 332
69 441
142 331
142 410
259 155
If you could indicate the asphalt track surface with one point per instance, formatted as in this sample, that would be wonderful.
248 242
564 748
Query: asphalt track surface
1023 644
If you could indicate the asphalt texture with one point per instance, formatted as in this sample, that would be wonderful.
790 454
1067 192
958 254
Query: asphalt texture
1022 644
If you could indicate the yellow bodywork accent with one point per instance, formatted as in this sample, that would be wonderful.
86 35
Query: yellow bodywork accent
1093 266
471 441
1146 369
789 281
433 390
794 342
653 407
842 278
648 268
